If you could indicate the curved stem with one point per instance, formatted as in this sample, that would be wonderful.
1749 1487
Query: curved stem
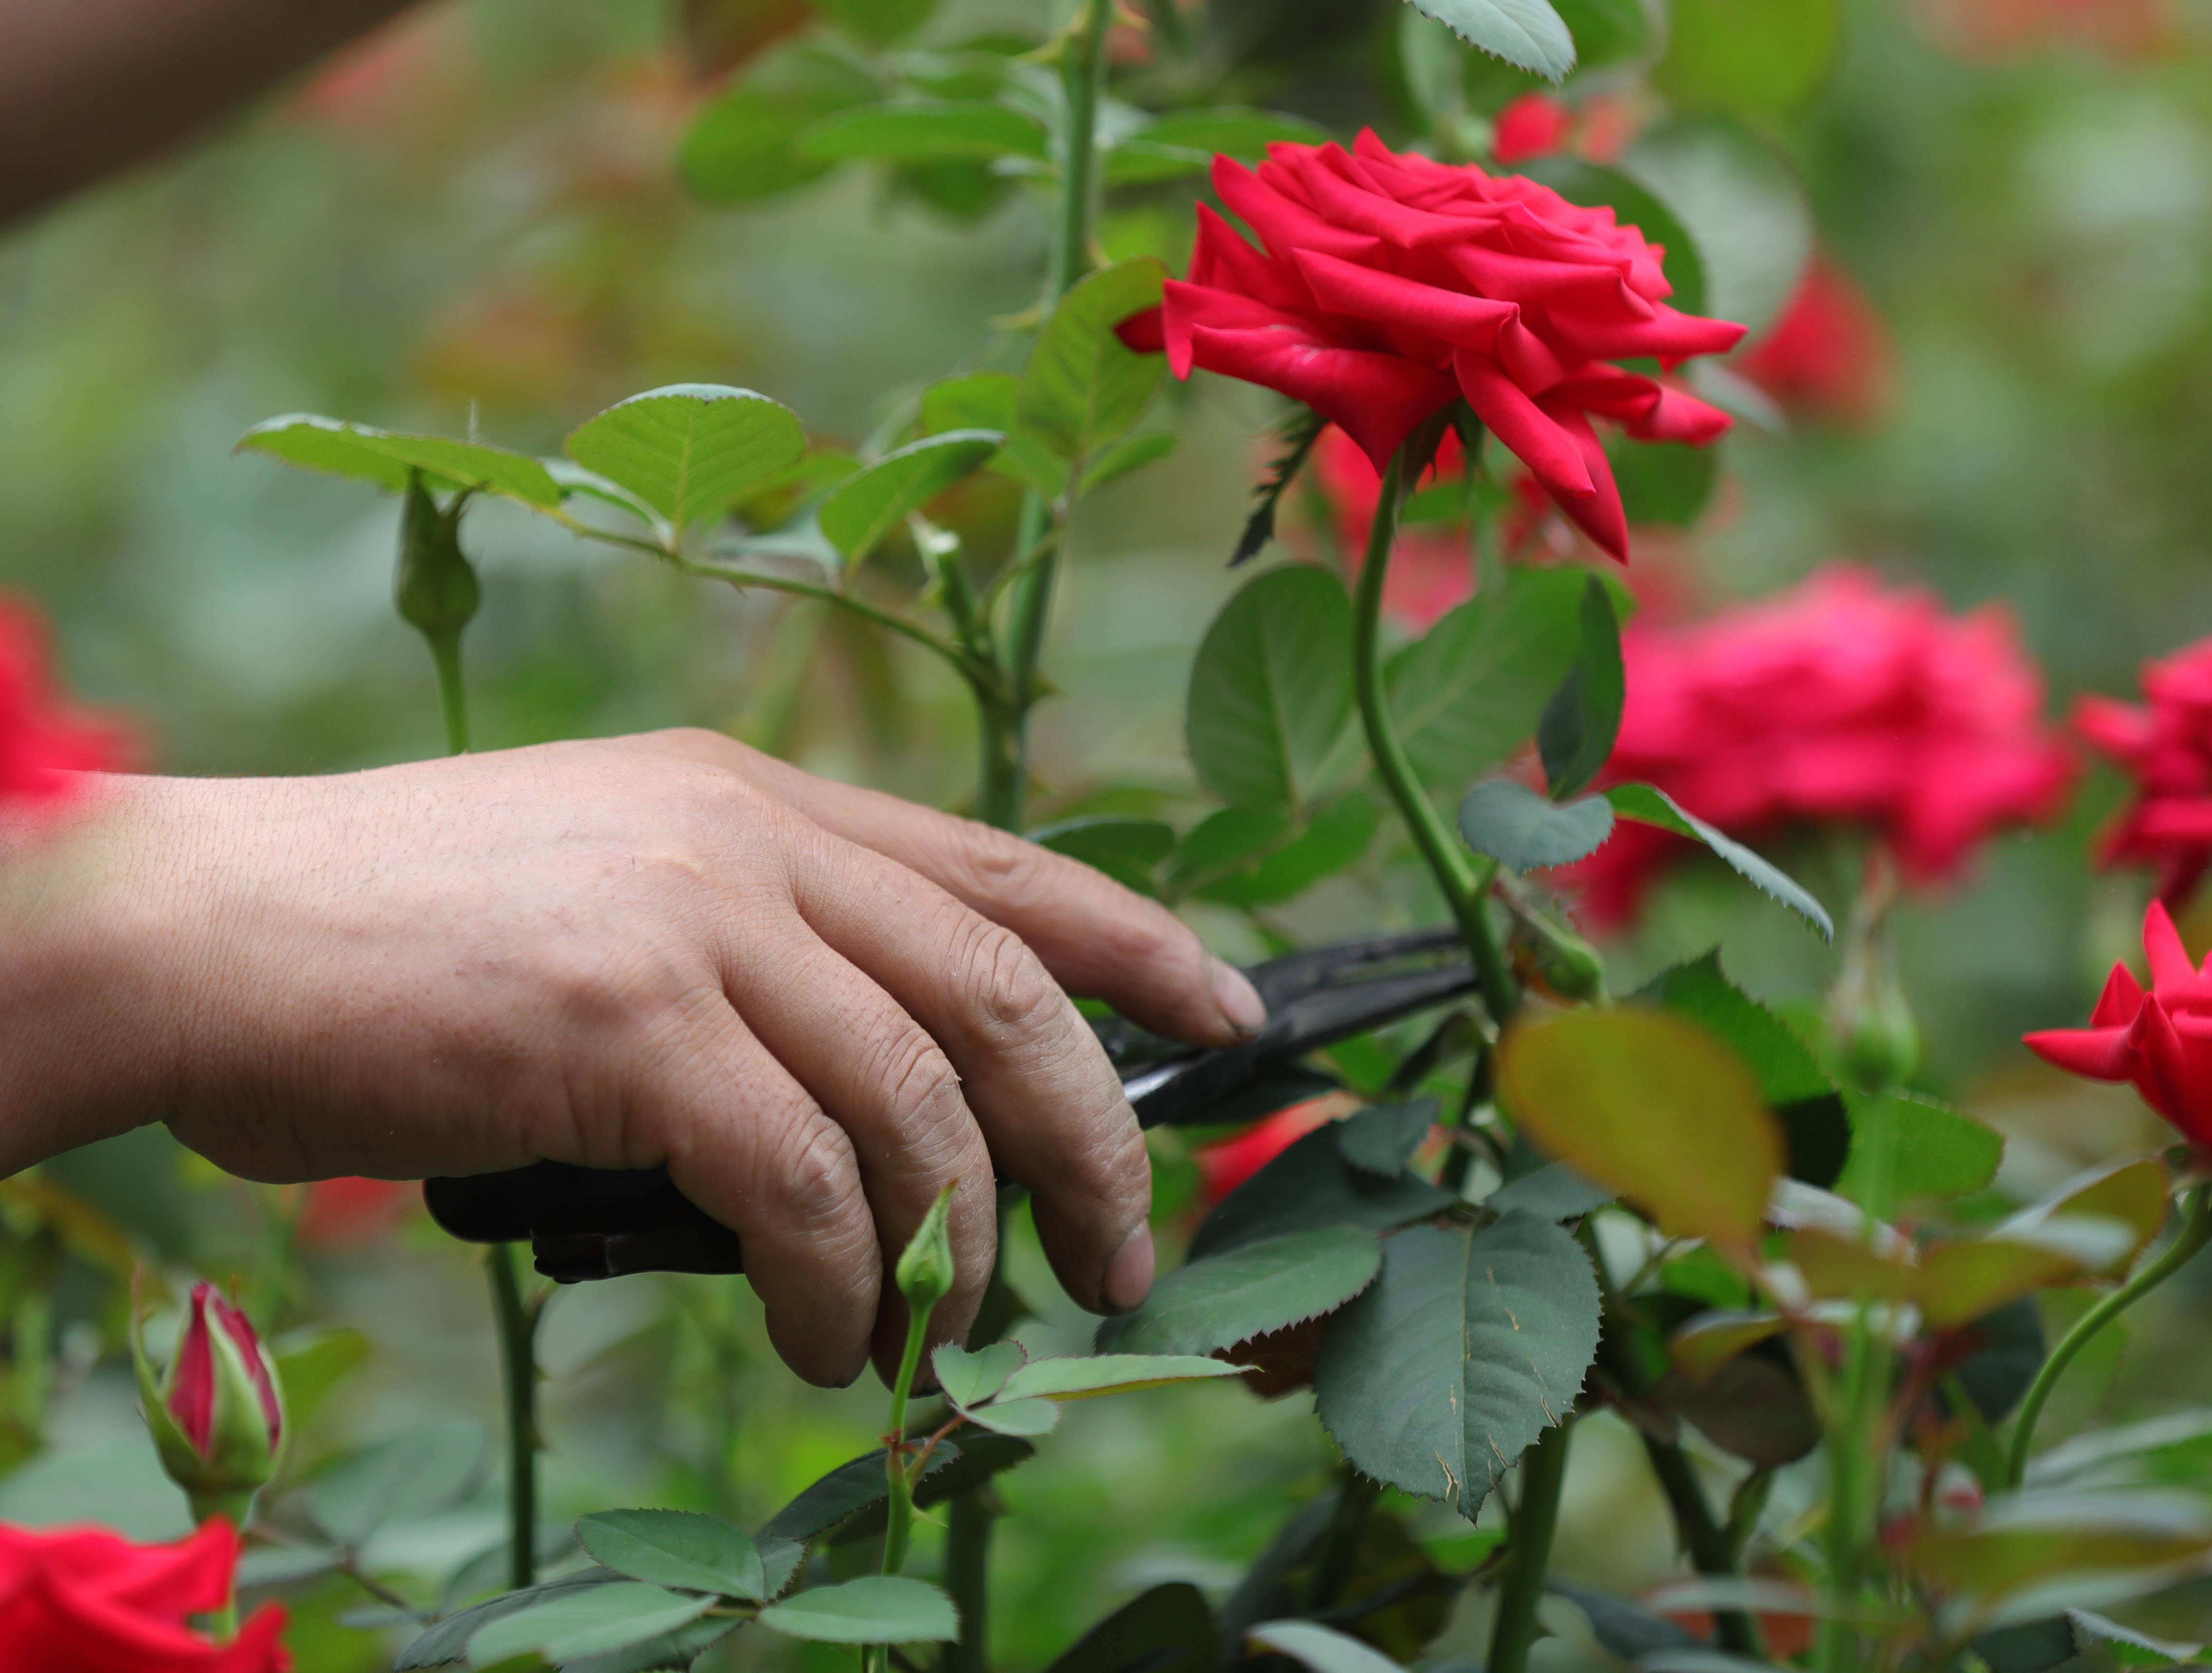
806 589
518 1329
2196 1230
452 695
1535 1519
1465 885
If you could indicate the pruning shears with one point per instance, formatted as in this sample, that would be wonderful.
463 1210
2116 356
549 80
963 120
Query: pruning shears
585 1223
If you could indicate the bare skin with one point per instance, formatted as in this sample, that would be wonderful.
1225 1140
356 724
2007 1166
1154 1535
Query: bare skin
816 1004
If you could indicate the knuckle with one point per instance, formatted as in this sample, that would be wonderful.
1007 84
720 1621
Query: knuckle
816 1170
1011 988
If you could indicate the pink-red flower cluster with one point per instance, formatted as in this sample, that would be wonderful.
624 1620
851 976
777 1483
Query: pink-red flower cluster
1388 286
2165 746
42 740
85 1600
2159 1040
1840 701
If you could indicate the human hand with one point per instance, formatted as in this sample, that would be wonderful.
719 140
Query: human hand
817 1005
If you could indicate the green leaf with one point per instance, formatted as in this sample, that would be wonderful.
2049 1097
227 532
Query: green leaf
1185 143
1576 733
677 1549
1552 1192
449 1640
852 1487
585 1623
869 504
1471 691
2172 1451
2027 1544
1505 819
1470 1344
1760 59
398 1481
1270 689
1381 1140
1209 1305
1742 205
981 1456
1127 456
1606 31
1109 1373
1634 205
2127 1647
878 1609
968 1379
1221 842
973 401
1168 1629
1024 1418
1126 849
1310 1184
1322 1648
740 150
1647 805
384 457
1664 482
1935 1151
1620 1628
879 22
1653 1107
311 1363
924 130
689 449
666 1653
1710 1341
1334 839
1082 387
1030 460
1527 33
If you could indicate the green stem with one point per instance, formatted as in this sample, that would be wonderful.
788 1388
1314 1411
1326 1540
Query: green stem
518 1329
967 1552
898 1522
224 1623
1535 1519
452 695
1340 1550
1465 885
884 619
1711 1551
2195 1230
1001 777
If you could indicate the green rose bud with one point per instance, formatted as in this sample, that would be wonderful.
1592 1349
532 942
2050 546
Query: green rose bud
925 1270
217 1414
435 585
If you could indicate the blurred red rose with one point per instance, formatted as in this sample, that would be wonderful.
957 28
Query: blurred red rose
342 1212
1389 285
1532 125
1223 1167
1829 355
2166 748
1839 701
42 739
2161 1042
84 1600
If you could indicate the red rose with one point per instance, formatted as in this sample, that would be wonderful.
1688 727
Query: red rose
2166 748
84 1600
1837 700
1829 355
1532 125
2160 1041
1223 1167
1388 286
42 741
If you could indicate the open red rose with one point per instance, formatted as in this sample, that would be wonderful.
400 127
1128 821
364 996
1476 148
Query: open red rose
1389 285
2160 1041
1838 701
2165 746
85 1600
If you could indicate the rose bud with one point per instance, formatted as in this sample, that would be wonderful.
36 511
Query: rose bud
217 1414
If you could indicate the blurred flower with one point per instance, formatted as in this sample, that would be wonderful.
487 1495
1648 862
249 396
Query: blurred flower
217 1416
2166 748
1999 28
1390 285
42 740
1532 125
1223 1167
2161 1042
1829 355
84 1600
1837 700
342 1212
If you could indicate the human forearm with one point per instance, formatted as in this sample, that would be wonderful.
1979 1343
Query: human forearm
91 87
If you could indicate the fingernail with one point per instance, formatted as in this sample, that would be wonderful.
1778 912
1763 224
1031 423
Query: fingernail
1237 1001
1129 1274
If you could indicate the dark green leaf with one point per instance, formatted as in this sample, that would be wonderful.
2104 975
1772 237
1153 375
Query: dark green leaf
1083 388
677 1549
1935 1151
1381 1140
1127 456
1030 460
1575 734
2007 1350
1605 31
1168 1629
1299 433
1322 1648
689 449
868 505
969 1379
1743 206
1527 33
847 1488
1620 1628
1221 842
1664 482
2127 1647
878 1609
740 147
1552 1192
1754 58
1270 689
1471 691
1216 1303
586 1623
1503 818
448 1641
879 22
975 400
1647 805
1308 1185
1335 838
667 1652
979 1457
1184 142
924 130
384 457
1754 1405
1470 1344
1126 849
